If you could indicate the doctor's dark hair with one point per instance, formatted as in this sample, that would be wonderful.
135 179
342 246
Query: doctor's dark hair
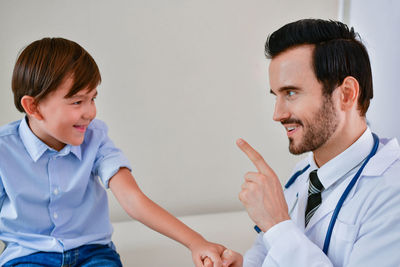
44 64
338 53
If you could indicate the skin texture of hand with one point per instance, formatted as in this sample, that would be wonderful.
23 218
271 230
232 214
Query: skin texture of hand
205 253
262 193
229 258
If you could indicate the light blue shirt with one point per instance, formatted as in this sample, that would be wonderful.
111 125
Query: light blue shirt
54 200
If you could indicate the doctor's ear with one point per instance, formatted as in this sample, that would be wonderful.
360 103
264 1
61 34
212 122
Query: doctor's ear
349 91
31 107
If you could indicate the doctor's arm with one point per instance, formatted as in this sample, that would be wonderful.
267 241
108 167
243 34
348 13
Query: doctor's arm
256 254
141 208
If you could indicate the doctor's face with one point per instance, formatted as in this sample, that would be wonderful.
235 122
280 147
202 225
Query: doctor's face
308 116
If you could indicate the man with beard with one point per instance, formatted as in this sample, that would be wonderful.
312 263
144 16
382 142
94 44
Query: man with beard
342 205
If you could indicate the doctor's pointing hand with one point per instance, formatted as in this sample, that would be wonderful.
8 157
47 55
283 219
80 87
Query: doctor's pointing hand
262 193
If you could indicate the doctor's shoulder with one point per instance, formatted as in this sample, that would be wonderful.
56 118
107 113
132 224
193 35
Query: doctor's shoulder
385 165
381 177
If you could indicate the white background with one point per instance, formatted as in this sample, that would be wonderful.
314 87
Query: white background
378 23
182 80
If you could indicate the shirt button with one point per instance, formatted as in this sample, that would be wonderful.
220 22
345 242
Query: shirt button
55 192
55 215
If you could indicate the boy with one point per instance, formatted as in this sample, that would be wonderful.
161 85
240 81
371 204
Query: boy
53 207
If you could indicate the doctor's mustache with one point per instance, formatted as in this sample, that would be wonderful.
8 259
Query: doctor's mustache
292 120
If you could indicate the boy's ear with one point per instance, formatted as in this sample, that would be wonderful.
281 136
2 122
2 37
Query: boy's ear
349 91
30 106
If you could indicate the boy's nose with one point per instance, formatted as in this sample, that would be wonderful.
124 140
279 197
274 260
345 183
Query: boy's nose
90 112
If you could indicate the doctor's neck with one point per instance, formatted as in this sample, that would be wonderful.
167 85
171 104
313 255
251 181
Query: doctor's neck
344 136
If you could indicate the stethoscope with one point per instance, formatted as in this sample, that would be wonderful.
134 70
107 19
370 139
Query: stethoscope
342 198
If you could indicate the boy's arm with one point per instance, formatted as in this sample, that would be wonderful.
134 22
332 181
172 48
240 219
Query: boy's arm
2 194
141 208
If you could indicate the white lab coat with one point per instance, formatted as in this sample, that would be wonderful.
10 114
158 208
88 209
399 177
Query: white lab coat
366 233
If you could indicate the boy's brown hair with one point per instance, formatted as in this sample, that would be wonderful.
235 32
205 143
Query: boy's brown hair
44 64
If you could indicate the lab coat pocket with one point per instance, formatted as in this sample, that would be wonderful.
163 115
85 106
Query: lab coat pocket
342 242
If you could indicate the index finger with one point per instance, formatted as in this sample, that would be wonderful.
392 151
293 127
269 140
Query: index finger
207 262
255 157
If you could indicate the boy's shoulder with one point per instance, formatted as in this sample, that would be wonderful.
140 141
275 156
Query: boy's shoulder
97 129
10 128
97 124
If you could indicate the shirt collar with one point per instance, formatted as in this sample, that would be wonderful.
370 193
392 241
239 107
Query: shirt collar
343 163
36 147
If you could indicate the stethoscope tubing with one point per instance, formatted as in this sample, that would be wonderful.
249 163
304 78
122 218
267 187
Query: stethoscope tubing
346 193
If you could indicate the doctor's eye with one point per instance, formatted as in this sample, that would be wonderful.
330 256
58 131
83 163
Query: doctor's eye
290 94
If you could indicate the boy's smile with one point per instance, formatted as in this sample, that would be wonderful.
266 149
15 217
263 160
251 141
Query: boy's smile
61 120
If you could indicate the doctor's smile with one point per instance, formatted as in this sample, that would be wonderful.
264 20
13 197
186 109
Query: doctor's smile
291 126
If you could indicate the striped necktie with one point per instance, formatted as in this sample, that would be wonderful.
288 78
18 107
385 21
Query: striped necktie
314 196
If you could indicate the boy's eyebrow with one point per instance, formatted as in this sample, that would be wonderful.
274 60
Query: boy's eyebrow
77 95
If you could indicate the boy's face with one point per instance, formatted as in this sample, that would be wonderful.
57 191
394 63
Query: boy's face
64 120
310 118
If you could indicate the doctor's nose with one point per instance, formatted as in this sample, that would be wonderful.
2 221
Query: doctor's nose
280 112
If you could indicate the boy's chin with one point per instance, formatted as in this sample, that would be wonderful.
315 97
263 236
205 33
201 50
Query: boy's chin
76 142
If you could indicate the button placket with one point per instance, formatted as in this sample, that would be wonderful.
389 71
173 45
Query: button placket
54 189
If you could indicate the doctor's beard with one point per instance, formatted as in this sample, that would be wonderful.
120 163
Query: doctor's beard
317 130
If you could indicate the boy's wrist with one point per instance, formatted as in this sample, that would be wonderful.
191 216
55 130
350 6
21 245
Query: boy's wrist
195 241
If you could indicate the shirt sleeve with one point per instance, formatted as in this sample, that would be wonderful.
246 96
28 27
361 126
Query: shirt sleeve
255 256
2 193
288 246
109 159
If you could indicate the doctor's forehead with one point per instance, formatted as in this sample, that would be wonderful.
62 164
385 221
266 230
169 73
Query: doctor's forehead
292 68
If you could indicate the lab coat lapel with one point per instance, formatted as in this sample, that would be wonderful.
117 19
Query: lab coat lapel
301 206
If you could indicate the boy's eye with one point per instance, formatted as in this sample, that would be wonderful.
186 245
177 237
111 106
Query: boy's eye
77 103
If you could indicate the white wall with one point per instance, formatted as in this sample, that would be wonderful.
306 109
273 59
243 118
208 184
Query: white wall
378 23
182 80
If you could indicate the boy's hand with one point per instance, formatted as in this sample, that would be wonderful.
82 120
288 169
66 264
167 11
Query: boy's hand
205 251
229 258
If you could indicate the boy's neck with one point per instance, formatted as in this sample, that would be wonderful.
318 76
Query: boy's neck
36 130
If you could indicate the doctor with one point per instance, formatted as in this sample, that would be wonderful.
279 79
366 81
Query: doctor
320 75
